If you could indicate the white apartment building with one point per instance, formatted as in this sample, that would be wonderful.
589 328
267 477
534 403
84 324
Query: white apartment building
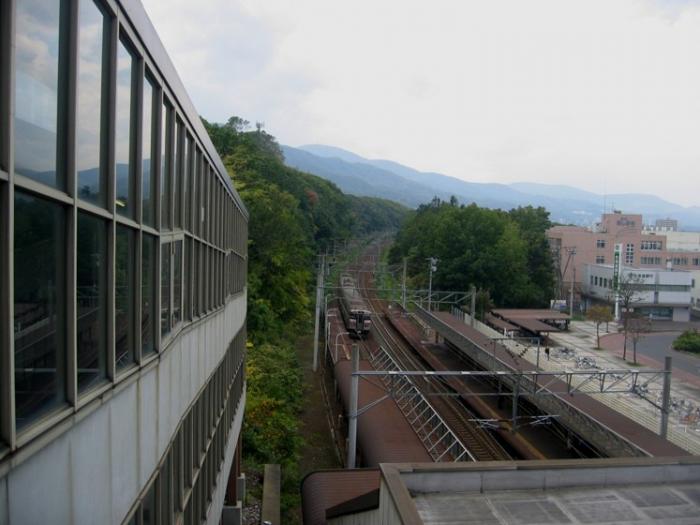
661 293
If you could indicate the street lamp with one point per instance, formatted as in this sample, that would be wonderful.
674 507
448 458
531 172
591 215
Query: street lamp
432 266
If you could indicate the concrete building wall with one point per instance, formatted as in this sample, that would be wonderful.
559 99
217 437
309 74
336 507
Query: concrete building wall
663 293
97 467
683 241
214 515
695 291
123 263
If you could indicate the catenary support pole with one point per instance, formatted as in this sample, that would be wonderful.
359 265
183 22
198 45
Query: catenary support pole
516 393
430 283
403 285
666 397
319 291
473 306
352 424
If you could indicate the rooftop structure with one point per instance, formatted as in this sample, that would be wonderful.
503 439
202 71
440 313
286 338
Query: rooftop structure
663 225
122 278
640 490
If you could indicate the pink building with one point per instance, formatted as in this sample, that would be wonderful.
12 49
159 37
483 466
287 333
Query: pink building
575 246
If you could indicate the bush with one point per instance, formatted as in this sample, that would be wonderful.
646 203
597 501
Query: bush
688 341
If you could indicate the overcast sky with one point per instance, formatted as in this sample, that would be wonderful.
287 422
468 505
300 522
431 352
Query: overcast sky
603 95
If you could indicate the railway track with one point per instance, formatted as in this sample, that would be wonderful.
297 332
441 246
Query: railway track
482 446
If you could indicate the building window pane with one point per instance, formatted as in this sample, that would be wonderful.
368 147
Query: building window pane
187 159
36 90
177 282
147 182
124 298
148 512
91 295
166 490
125 66
89 101
165 167
165 289
177 179
196 176
187 302
195 278
148 294
202 279
39 304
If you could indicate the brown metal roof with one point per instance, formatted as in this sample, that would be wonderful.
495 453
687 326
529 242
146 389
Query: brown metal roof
531 313
327 489
535 326
499 323
383 434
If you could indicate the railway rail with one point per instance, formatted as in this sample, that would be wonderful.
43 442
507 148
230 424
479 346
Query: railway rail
480 443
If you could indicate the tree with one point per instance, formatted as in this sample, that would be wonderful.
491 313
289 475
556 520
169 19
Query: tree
599 314
482 303
628 293
638 326
489 248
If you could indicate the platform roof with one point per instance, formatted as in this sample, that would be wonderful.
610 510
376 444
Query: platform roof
499 323
541 314
535 326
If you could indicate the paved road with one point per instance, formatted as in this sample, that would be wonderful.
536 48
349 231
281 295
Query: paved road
655 347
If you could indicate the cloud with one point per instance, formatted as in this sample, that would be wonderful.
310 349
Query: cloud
598 94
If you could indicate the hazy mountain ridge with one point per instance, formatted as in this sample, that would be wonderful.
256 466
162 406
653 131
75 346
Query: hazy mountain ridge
388 179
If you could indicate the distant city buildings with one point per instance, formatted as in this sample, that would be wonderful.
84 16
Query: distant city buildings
663 225
663 246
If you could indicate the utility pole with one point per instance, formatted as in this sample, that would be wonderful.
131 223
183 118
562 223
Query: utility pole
352 424
403 285
617 254
432 266
319 291
573 276
666 397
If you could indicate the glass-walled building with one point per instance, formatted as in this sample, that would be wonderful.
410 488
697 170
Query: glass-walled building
122 278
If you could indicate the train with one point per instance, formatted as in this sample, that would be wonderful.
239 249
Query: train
353 307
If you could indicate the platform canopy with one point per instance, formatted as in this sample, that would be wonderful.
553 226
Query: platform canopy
533 320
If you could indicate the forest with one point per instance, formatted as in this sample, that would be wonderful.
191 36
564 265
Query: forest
293 217
503 254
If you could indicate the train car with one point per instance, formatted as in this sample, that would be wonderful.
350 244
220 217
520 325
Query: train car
353 307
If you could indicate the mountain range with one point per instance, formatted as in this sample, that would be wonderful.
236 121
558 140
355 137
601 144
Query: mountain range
390 180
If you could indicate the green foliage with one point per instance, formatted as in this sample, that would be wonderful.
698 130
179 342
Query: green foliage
274 399
688 341
293 215
271 426
504 253
599 314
